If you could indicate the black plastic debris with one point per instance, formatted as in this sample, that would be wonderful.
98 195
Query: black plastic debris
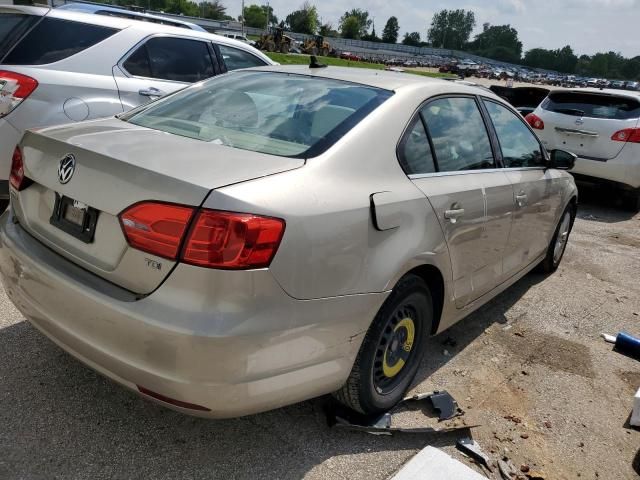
625 343
471 448
441 402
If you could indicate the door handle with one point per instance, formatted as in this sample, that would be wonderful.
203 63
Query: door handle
151 92
453 214
521 199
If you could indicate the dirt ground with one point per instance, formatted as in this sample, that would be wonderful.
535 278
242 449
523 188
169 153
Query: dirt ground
529 367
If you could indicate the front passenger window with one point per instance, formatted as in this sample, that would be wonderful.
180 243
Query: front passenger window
520 148
460 138
234 58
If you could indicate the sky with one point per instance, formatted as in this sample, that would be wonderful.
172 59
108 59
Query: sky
589 26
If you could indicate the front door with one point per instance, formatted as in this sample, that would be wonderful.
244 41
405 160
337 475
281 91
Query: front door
537 190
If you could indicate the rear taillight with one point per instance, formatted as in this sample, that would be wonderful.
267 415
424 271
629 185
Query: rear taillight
213 239
157 228
232 240
16 177
631 135
14 88
535 121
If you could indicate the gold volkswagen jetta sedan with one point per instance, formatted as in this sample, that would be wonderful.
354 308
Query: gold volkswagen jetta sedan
279 233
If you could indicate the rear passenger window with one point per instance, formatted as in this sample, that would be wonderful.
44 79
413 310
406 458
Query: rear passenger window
415 152
54 39
459 136
520 148
234 58
171 58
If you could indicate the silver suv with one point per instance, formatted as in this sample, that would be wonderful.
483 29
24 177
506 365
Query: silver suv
60 66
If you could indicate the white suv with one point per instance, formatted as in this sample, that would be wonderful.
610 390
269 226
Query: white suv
61 66
602 127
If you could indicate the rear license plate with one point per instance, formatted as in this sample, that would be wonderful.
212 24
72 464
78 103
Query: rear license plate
74 218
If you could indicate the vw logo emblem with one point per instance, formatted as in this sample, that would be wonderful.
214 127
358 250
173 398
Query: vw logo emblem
66 168
579 121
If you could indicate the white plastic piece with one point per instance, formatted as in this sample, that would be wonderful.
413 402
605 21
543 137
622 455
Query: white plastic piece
431 463
609 338
635 415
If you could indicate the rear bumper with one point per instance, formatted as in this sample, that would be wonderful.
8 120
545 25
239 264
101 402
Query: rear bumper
232 342
9 138
624 169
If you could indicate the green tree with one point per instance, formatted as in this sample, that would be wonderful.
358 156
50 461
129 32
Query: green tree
390 32
451 28
327 30
498 39
372 37
255 16
412 39
213 9
304 20
355 23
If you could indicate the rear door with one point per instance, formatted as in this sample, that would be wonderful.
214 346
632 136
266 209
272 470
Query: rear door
472 198
537 190
584 122
163 64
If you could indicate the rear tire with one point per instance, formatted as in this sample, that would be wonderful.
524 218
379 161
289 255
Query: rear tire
558 244
392 349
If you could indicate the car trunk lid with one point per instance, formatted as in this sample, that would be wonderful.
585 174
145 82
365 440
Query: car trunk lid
118 164
584 122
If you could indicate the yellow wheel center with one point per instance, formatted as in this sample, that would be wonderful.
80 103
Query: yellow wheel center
398 349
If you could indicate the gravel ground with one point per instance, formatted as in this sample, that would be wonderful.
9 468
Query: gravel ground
533 355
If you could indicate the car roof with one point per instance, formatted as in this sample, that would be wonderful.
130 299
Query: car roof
92 8
387 80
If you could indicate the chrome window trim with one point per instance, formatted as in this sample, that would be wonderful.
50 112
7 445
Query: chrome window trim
417 176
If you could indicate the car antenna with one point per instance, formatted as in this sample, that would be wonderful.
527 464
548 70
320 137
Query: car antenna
313 63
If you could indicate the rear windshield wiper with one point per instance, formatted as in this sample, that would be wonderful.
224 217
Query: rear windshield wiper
570 111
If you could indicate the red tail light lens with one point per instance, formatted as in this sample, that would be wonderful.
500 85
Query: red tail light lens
216 239
631 135
231 240
16 87
16 177
535 121
156 228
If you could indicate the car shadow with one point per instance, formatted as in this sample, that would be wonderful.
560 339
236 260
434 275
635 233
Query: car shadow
456 338
599 204
61 419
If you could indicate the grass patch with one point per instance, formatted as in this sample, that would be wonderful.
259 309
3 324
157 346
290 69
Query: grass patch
293 59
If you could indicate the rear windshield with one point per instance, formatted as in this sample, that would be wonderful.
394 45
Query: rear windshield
275 113
592 105
53 39
12 27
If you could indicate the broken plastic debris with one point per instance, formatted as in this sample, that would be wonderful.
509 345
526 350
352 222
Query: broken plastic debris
471 448
635 415
442 402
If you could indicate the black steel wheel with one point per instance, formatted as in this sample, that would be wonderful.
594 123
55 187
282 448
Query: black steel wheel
392 349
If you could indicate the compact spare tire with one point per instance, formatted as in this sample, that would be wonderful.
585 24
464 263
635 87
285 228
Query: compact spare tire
392 349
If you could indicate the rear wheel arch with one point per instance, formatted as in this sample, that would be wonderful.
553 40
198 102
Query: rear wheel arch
432 276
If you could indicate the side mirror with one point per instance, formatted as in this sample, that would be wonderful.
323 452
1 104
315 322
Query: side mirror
562 160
